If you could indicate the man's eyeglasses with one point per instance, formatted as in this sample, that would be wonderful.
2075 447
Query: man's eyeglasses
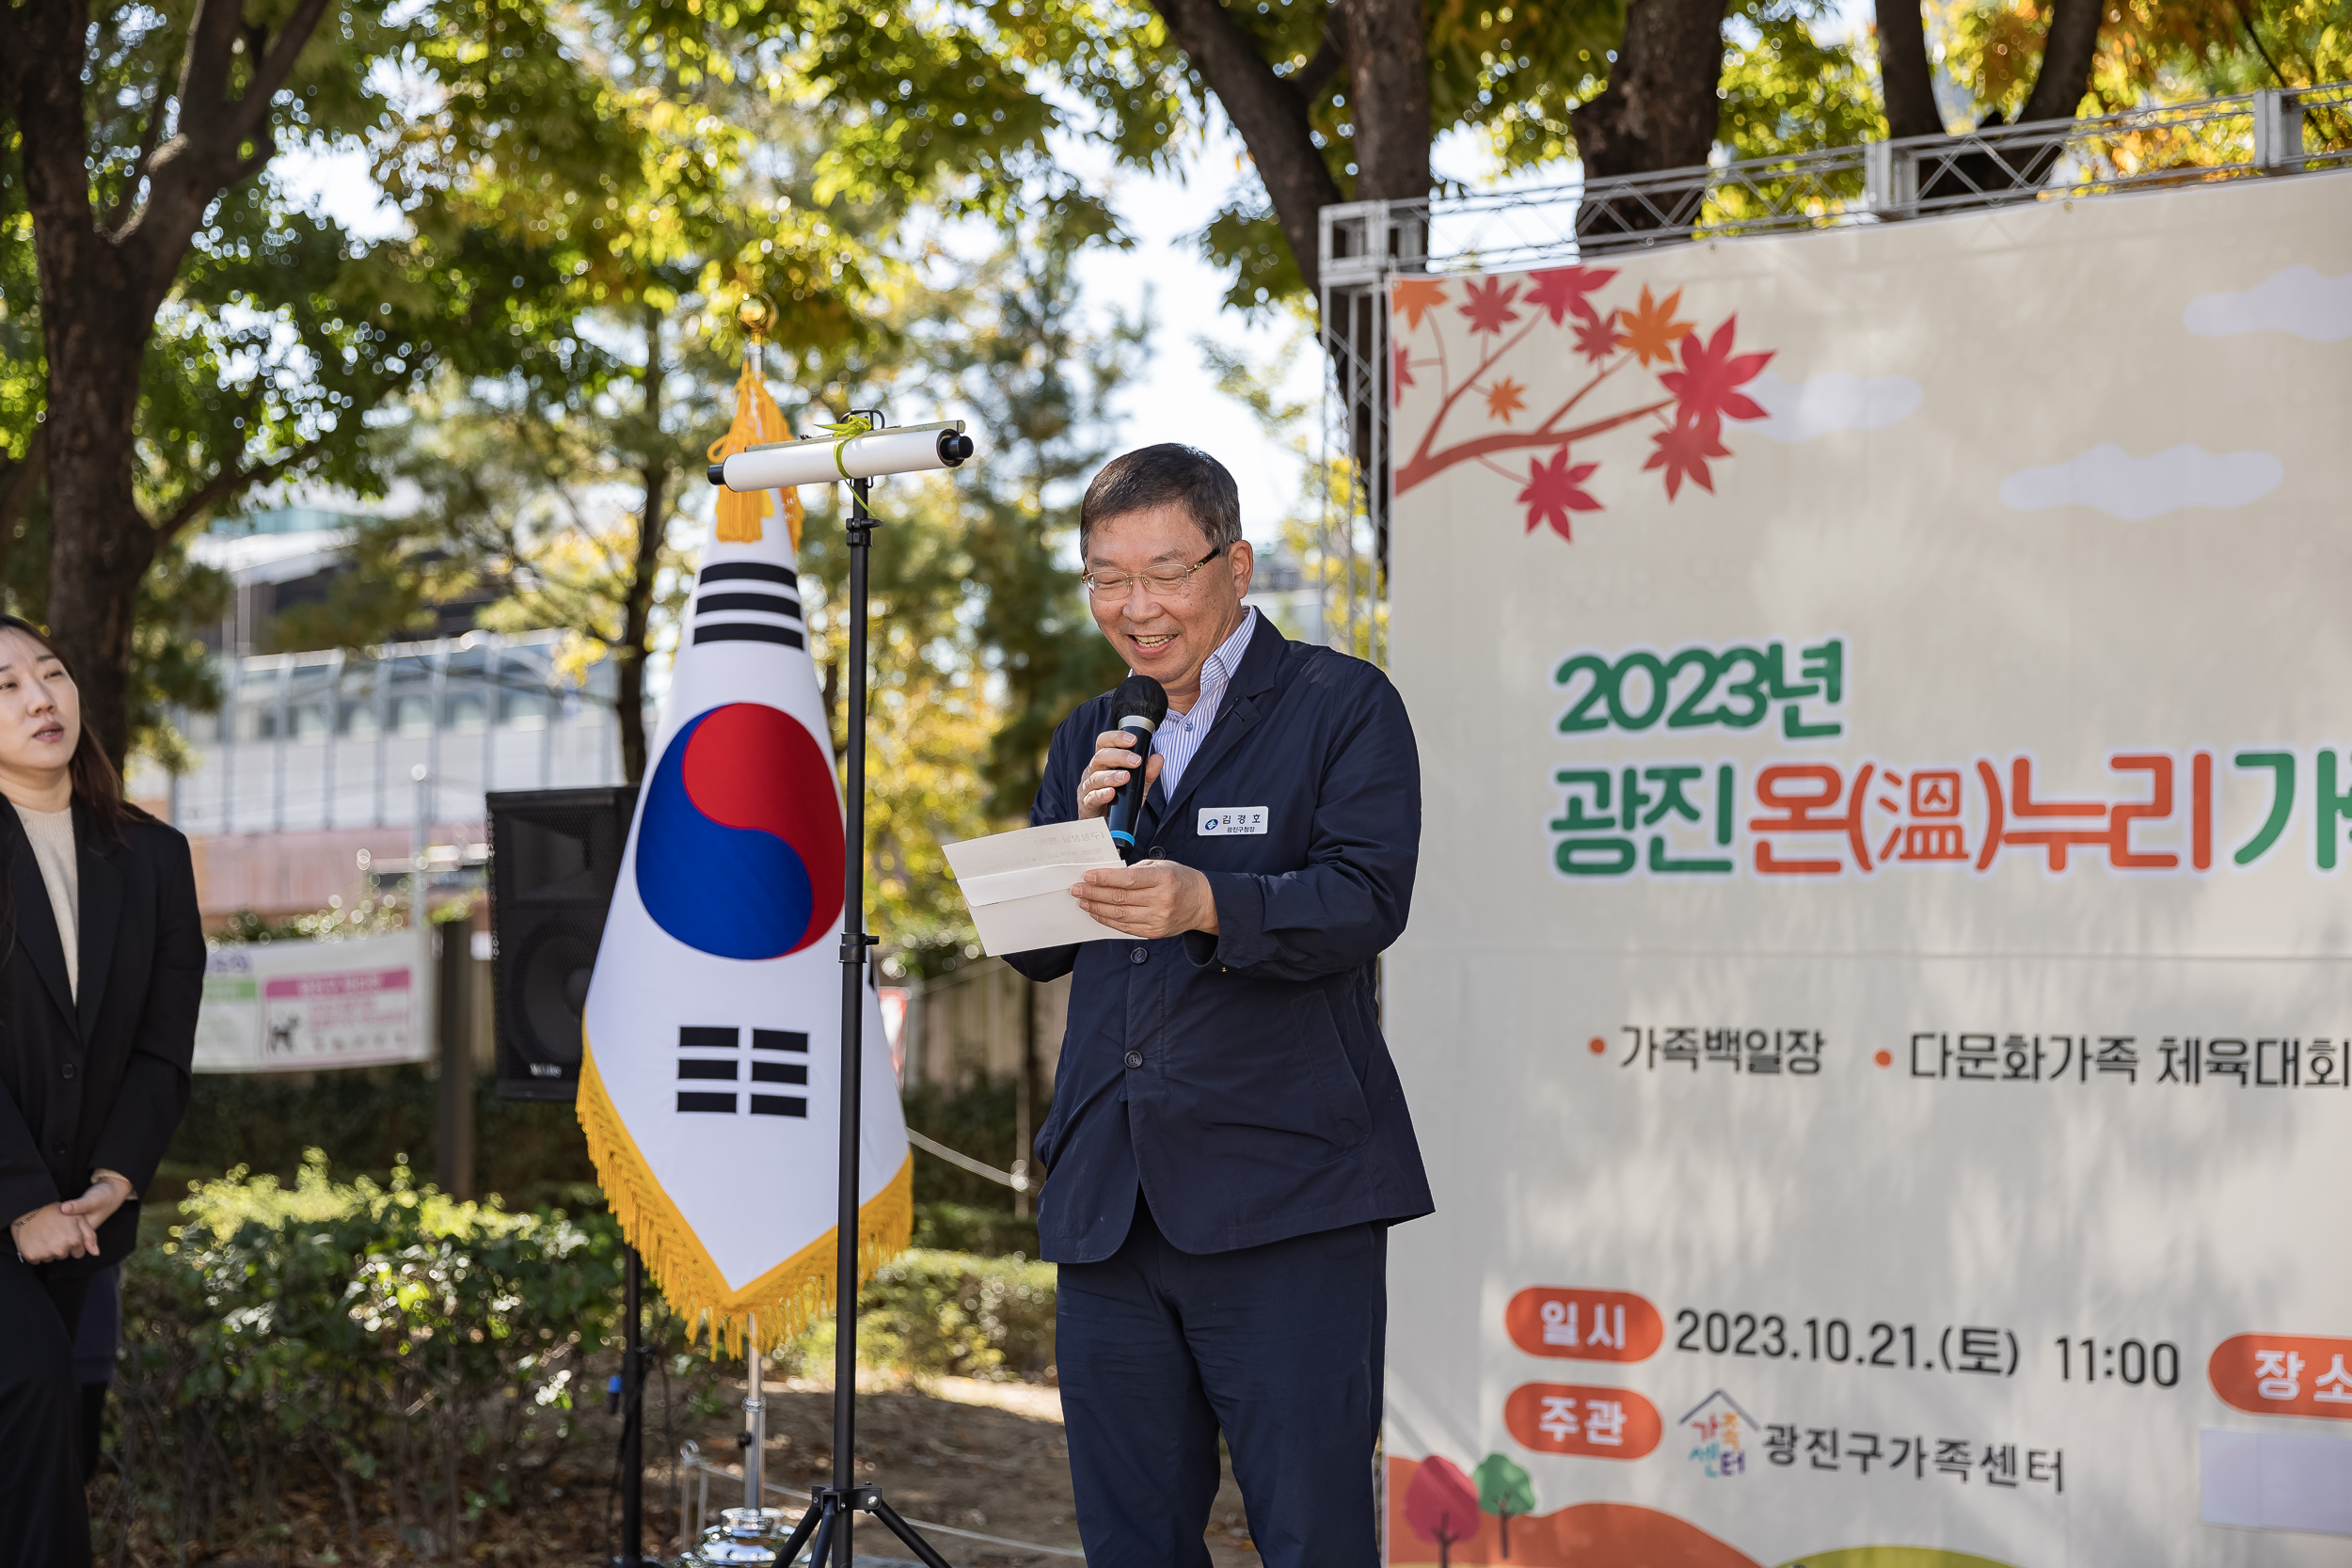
1117 585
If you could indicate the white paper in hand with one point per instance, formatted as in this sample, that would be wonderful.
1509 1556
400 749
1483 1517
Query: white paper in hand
1017 884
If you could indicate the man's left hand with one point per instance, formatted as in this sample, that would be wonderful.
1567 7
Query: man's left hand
1151 898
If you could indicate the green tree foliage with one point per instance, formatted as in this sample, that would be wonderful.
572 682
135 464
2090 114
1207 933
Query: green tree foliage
983 640
203 334
1503 1489
1787 87
221 337
1040 381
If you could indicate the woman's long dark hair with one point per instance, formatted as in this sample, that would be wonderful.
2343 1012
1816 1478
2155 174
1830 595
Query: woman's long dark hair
96 785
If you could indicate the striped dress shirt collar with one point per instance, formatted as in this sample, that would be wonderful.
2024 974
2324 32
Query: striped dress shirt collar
1180 735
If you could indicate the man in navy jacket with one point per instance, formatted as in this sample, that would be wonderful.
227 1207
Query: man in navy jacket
1229 1141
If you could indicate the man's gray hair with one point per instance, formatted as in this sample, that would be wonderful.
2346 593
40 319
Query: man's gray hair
1155 476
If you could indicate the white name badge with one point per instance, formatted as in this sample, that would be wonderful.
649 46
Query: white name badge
1226 821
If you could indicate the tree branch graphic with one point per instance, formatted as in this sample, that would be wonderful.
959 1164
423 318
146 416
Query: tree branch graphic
1682 383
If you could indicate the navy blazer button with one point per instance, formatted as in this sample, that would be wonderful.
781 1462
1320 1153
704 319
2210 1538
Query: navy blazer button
1139 956
68 1069
1135 1058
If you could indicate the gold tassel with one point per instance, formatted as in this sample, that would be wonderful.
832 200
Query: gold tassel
789 1297
757 421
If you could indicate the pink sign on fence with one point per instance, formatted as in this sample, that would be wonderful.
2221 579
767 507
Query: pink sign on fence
345 983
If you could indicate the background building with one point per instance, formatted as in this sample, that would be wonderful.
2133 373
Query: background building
323 764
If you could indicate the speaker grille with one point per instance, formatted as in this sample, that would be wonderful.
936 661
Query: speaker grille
555 856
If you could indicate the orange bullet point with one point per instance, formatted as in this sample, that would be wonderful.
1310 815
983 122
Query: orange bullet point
1884 1058
1597 1045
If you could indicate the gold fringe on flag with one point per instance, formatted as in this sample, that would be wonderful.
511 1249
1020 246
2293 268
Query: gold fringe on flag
757 421
789 1297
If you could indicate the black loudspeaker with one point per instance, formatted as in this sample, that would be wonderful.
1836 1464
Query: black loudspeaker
554 856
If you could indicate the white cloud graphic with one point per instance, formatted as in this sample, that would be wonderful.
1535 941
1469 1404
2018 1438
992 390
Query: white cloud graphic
2295 300
1830 401
2137 488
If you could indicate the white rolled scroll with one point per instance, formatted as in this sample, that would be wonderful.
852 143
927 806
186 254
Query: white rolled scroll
827 460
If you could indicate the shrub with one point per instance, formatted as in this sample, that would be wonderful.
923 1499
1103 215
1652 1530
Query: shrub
324 1368
989 1232
977 1118
413 1360
371 1119
933 1314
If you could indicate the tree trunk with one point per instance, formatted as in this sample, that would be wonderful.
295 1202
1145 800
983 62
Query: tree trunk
1270 113
96 320
1660 109
1905 77
1387 57
652 532
2067 52
101 545
1383 46
18 487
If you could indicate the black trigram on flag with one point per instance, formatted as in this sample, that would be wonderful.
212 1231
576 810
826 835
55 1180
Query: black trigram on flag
748 587
697 1065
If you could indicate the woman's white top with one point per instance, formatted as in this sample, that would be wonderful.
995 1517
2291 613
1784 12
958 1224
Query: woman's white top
51 834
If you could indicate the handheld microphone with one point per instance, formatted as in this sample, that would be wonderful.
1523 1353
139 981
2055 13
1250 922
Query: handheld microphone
1140 702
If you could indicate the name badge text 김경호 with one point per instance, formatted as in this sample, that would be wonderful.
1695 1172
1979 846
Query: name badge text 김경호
1229 821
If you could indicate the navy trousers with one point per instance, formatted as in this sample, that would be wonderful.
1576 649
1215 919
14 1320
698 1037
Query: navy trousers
1277 1346
44 1519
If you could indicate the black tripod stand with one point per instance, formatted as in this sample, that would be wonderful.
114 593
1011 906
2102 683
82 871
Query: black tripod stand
630 1404
833 1509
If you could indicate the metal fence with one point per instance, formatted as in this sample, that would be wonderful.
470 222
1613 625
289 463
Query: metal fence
1363 244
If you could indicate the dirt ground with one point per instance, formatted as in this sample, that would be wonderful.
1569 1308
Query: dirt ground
986 1458
979 1459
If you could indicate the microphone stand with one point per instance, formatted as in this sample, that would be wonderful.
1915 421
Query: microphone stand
831 1515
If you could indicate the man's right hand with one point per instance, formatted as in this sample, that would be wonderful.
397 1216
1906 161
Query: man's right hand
1114 760
49 1233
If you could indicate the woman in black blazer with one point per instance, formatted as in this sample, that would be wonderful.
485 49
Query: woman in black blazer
101 965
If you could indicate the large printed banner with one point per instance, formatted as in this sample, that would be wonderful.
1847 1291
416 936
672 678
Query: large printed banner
1877 1003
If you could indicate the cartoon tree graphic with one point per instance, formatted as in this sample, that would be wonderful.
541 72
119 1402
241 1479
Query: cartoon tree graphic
1503 1489
1441 1505
1645 363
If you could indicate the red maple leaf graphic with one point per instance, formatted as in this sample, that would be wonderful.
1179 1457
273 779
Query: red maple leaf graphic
1563 289
1684 449
1490 306
1401 373
1413 297
1704 387
1555 491
1596 337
